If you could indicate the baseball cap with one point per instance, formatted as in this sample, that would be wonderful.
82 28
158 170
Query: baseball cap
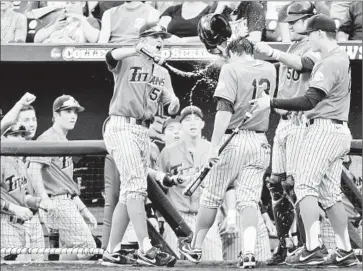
169 121
66 102
319 22
299 10
153 29
191 110
16 129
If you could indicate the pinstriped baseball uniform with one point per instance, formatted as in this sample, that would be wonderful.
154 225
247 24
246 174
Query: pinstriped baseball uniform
176 159
14 185
327 137
288 135
57 176
232 247
134 100
247 156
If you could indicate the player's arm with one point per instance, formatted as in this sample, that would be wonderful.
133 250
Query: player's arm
11 117
225 94
105 32
35 176
303 63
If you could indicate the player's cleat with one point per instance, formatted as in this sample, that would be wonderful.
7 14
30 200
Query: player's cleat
121 257
246 261
155 257
192 254
278 257
304 257
341 258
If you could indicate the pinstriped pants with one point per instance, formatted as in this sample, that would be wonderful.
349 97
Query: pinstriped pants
321 160
243 162
212 245
232 247
286 147
129 146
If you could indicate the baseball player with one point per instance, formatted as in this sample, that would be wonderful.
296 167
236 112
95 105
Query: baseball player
245 158
140 85
295 70
28 119
326 141
52 180
11 117
20 225
183 160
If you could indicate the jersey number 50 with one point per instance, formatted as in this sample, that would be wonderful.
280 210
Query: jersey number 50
262 83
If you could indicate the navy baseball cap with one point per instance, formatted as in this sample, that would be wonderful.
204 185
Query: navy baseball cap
153 29
299 10
169 121
319 22
191 110
65 102
16 129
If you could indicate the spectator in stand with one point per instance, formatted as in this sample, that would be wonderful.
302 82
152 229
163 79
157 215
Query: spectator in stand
13 24
338 9
122 24
182 20
161 6
247 18
98 8
351 23
69 26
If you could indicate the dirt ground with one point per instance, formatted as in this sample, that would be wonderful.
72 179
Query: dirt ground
181 265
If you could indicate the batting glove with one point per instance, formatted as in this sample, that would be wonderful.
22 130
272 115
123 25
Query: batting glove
89 218
20 211
267 50
47 204
260 103
229 226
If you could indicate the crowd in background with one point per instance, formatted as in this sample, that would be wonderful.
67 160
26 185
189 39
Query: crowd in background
119 21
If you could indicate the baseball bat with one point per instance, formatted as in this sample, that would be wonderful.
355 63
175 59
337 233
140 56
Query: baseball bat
170 68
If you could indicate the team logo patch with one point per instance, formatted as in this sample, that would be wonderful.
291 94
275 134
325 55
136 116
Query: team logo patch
318 76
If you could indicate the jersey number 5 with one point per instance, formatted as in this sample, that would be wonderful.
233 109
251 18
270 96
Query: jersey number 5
154 94
262 83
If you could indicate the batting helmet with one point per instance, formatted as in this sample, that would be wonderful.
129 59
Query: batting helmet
213 30
299 10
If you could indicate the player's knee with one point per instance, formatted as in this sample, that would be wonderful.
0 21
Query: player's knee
211 202
274 184
241 205
136 195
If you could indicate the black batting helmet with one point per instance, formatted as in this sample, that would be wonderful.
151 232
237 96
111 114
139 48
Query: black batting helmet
299 10
213 30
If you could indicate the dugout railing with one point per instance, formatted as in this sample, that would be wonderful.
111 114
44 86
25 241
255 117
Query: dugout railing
88 157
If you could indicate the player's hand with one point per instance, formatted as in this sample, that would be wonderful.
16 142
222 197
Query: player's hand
229 228
297 118
177 179
271 228
48 205
89 218
263 48
20 211
27 99
32 202
213 157
174 106
261 103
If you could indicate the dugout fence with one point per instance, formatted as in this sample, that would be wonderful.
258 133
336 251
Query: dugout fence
88 157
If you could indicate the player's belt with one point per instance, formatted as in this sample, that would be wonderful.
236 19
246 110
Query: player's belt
63 196
15 219
230 131
334 121
145 123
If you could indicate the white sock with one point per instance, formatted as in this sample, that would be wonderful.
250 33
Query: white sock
312 239
249 240
146 244
341 242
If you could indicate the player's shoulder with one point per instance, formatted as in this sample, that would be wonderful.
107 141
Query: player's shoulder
49 134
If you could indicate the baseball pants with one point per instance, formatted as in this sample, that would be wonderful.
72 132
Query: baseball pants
232 246
212 245
286 146
73 230
321 158
243 162
129 146
29 235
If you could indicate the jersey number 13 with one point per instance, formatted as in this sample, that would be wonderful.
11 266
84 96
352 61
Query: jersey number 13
261 83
